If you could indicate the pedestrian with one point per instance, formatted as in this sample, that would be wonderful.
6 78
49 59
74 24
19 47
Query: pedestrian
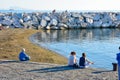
118 60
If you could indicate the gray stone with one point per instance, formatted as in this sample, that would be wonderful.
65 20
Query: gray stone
17 24
62 25
46 18
84 25
53 22
118 16
76 15
96 17
89 20
105 24
97 23
6 22
27 18
43 23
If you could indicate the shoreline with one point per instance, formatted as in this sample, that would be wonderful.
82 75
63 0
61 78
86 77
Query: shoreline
31 38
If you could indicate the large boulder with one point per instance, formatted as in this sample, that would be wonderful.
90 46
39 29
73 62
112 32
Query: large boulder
43 23
118 16
53 22
62 25
6 22
97 23
97 17
27 18
46 18
89 20
84 25
75 15
17 24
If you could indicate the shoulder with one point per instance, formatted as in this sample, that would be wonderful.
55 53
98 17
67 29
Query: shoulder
118 53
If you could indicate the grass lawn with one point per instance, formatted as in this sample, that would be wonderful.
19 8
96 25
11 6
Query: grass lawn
12 40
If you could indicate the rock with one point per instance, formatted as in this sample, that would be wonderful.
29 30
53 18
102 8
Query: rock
43 23
6 22
88 15
54 27
118 16
96 17
27 18
105 24
48 27
97 23
113 16
62 25
76 15
84 25
17 24
53 22
89 20
46 18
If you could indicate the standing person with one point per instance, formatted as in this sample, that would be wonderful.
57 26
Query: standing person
72 61
23 56
84 62
118 60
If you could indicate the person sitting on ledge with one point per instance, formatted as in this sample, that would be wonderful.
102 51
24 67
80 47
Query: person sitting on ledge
23 56
72 61
84 62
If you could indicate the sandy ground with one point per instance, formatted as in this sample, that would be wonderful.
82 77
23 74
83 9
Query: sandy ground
16 70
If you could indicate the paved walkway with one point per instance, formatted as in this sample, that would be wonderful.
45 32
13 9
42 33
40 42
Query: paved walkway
15 70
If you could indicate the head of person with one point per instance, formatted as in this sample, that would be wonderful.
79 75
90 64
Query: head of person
83 55
73 53
23 49
119 47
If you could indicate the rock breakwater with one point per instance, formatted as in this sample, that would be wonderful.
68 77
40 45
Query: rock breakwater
60 20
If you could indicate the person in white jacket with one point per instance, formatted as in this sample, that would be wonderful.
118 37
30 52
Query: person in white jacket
72 61
118 60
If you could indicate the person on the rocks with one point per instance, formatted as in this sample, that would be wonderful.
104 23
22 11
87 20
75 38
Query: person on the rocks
72 61
23 56
118 60
84 62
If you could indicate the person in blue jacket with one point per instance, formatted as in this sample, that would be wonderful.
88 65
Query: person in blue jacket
23 56
118 60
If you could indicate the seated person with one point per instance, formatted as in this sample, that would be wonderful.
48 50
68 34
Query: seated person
23 56
84 62
72 61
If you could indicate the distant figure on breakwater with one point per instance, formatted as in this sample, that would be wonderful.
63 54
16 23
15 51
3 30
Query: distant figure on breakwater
84 62
23 56
72 61
118 60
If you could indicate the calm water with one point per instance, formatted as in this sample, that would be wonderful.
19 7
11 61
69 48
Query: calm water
100 45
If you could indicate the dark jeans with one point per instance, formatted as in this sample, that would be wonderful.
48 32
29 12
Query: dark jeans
74 66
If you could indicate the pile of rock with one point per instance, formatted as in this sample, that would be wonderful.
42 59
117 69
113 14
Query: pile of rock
60 20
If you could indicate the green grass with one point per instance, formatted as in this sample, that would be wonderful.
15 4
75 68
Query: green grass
12 40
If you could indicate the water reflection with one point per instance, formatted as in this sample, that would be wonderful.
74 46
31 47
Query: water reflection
101 45
80 35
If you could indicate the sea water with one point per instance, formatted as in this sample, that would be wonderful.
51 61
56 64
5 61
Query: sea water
100 45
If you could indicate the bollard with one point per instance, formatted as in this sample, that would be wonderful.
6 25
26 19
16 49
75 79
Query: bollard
114 66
